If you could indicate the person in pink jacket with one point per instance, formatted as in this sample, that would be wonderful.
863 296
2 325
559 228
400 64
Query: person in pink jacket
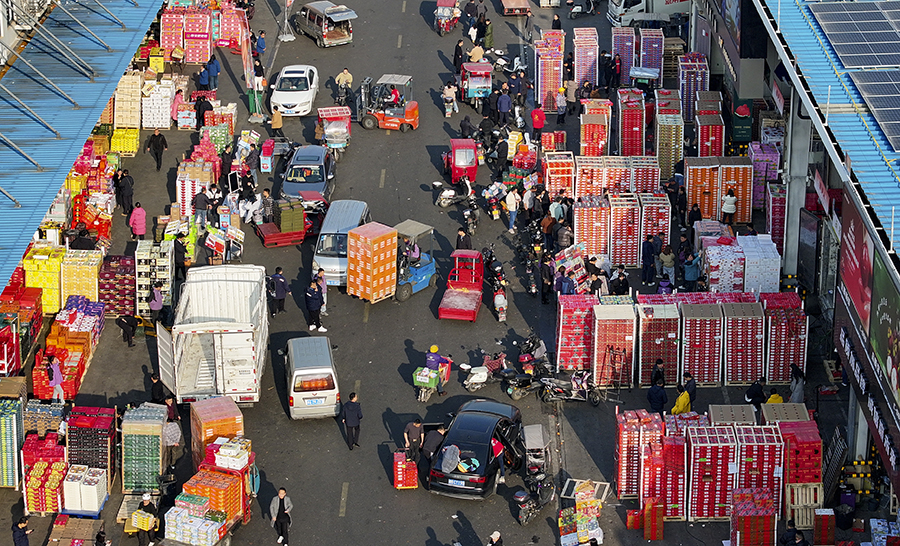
176 102
138 222
56 378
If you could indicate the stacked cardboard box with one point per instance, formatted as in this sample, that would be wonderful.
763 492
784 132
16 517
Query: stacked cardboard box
724 266
766 160
196 529
711 453
674 477
372 262
624 228
222 490
126 141
744 342
693 76
623 45
191 177
591 215
559 172
701 337
406 474
575 332
736 173
142 446
803 448
787 326
753 517
652 49
43 484
644 173
614 330
549 74
776 213
116 285
42 270
154 264
589 171
762 264
658 339
634 429
197 37
594 135
701 179
823 526
210 419
156 105
760 461
651 483
586 55
128 100
80 272
631 119
289 215
656 216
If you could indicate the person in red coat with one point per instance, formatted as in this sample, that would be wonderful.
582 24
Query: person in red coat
138 222
537 123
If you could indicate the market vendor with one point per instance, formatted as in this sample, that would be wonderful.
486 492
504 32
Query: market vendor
81 239
145 538
173 440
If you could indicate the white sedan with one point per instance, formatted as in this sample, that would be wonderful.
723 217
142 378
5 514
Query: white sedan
294 91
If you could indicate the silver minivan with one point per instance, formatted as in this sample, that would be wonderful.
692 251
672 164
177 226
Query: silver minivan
311 378
331 249
327 24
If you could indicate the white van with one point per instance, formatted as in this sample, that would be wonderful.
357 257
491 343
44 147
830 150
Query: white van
331 248
312 381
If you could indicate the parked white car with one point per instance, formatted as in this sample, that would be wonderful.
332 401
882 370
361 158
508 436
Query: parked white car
295 89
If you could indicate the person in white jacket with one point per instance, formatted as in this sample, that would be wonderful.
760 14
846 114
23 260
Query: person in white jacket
512 207
729 207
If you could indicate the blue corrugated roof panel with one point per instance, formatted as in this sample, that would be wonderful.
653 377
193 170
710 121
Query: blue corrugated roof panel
857 134
35 189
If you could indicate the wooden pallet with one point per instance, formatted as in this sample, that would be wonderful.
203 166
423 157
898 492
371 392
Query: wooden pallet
674 518
194 129
808 495
129 504
711 384
831 371
601 490
124 154
708 520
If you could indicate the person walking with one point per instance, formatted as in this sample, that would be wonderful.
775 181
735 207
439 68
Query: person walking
681 207
201 205
658 243
259 74
513 201
458 56
490 112
569 66
180 251
691 272
657 397
470 13
177 101
480 10
252 162
557 23
126 186
128 324
528 204
227 157
798 384
276 122
351 415
682 402
546 279
20 532
756 394
690 385
693 217
54 374
647 262
261 43
488 35
173 444
658 373
504 106
564 236
156 302
203 79
729 207
156 145
572 94
268 206
145 538
280 511
314 303
157 390
319 277
138 222
213 68
547 229
281 288
463 241
538 119
413 435
514 84
495 539
528 32
617 71
560 106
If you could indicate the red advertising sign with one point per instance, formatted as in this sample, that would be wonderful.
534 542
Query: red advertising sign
822 192
856 262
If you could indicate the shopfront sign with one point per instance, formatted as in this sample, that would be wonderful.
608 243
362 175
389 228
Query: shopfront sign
777 97
884 328
727 58
822 192
857 249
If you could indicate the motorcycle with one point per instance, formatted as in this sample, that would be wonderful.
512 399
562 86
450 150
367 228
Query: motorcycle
578 388
507 65
524 250
492 370
471 215
494 194
535 365
343 95
584 7
497 281
455 194
448 106
425 392
539 494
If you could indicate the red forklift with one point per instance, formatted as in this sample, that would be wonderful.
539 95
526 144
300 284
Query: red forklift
387 104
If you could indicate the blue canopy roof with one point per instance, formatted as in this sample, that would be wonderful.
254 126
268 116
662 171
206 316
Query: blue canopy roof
67 54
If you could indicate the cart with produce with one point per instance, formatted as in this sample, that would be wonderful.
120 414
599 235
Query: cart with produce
314 207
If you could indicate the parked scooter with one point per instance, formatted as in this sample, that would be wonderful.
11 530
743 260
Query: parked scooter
471 215
582 7
507 65
535 365
497 278
463 192
525 252
540 493
493 195
578 388
448 106
494 369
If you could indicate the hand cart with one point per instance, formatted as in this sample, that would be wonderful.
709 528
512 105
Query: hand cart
537 448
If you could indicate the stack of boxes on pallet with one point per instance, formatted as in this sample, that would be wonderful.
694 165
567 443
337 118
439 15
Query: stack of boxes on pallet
711 453
701 336
575 332
744 342
658 340
289 215
753 517
142 447
154 264
372 262
614 331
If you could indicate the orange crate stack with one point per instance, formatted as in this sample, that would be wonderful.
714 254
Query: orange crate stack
210 419
702 181
372 262
736 173
222 490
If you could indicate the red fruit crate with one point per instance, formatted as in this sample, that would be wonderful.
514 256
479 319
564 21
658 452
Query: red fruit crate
803 451
406 473
589 175
624 230
823 526
761 460
623 45
701 335
631 121
591 216
753 518
658 339
634 429
710 135
656 215
744 338
776 213
594 134
736 173
549 74
701 179
575 332
786 332
644 174
586 55
711 452
559 172
652 466
614 330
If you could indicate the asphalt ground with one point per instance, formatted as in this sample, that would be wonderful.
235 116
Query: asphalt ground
343 497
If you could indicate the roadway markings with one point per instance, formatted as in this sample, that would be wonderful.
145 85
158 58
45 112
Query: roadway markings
356 386
344 488
725 396
366 313
381 182
403 7
399 41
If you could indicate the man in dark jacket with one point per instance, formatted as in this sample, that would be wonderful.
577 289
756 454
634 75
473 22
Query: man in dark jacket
568 284
486 126
156 145
180 257
647 262
126 188
657 397
658 373
694 216
231 183
282 289
351 415
789 536
491 104
202 106
433 441
756 394
681 206
20 532
690 385
458 57
213 67
546 279
314 302
619 286
252 161
129 325
515 89
463 241
469 10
